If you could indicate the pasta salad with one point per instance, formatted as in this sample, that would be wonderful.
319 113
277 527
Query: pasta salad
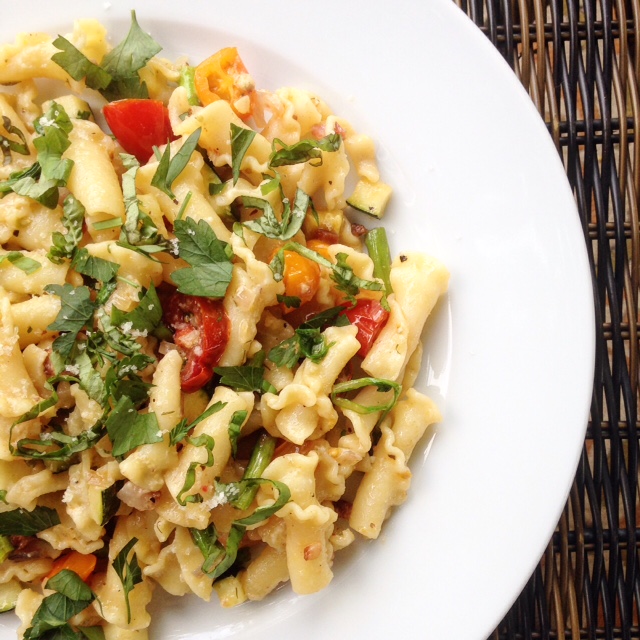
207 370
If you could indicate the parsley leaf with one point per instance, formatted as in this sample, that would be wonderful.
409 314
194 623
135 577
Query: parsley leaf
244 378
64 245
41 181
21 522
241 139
95 268
76 311
303 151
269 225
54 127
128 571
305 343
145 317
78 66
129 429
170 168
210 258
139 232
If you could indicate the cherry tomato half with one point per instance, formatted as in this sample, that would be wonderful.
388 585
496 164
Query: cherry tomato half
223 76
139 125
201 333
369 317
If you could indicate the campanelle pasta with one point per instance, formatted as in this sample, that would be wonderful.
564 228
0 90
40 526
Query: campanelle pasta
206 370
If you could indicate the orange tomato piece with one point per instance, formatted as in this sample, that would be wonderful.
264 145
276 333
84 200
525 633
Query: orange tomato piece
223 76
301 277
321 247
80 563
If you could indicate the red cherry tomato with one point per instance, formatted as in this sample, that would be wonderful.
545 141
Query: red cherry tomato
369 317
201 333
139 125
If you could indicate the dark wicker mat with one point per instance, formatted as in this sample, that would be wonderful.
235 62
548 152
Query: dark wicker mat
580 62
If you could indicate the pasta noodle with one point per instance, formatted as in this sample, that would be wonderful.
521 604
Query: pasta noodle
206 369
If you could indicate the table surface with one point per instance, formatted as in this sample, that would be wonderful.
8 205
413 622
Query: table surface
580 62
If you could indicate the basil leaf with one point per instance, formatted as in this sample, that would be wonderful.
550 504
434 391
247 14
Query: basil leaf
125 60
20 522
382 385
66 446
24 263
292 302
322 319
129 429
206 441
43 191
64 245
182 429
78 66
170 168
207 541
235 428
241 139
244 378
128 571
303 151
269 225
7 145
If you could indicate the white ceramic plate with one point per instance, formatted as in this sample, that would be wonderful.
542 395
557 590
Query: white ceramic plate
510 351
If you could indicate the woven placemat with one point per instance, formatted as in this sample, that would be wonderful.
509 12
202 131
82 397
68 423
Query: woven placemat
580 62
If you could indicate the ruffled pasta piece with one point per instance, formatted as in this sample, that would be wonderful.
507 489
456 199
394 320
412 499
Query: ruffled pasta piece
15 280
26 491
93 179
308 524
110 603
26 606
215 121
264 574
190 181
17 392
196 514
296 113
386 484
24 570
35 231
178 567
147 465
252 289
76 498
418 281
85 414
304 407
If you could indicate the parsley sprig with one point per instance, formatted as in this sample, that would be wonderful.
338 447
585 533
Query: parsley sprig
117 75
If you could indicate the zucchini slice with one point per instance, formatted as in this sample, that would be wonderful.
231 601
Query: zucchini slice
9 593
370 197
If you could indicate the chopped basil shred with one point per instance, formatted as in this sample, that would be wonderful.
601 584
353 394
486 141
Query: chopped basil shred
303 151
